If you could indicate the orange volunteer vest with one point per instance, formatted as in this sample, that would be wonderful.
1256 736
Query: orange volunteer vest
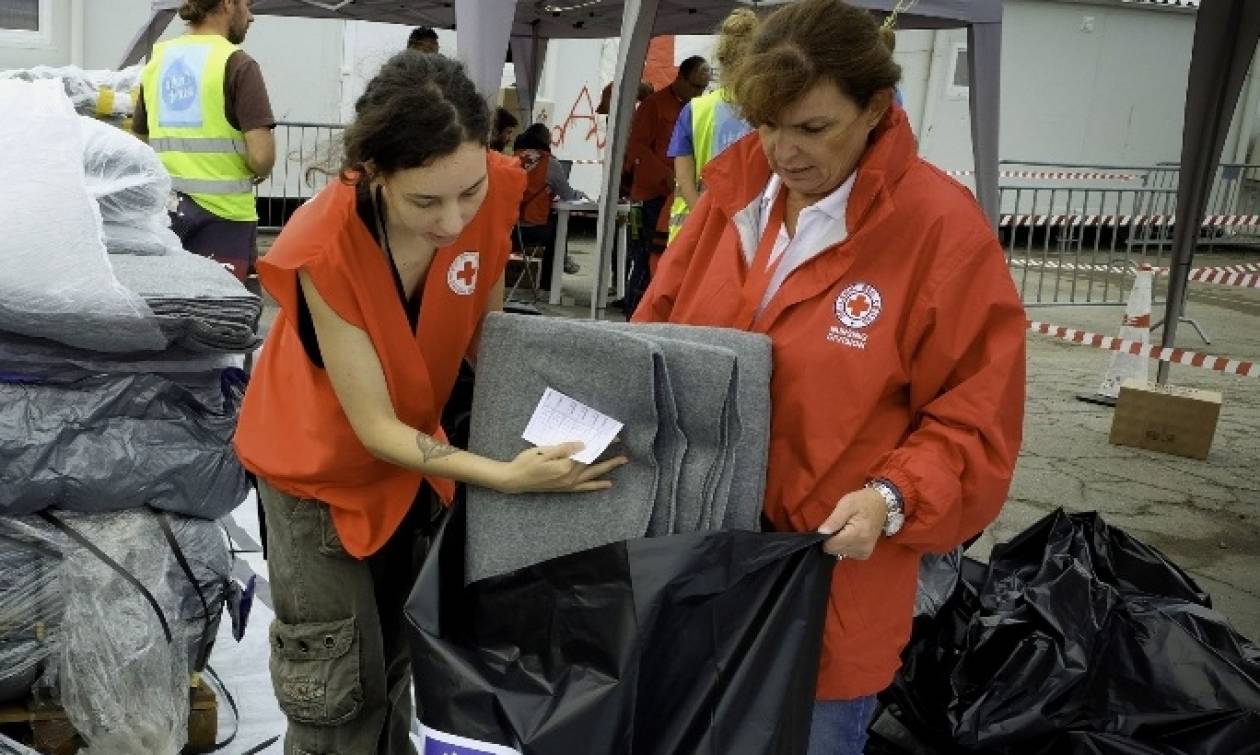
292 430
536 205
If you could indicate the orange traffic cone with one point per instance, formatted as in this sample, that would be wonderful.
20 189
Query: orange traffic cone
1136 326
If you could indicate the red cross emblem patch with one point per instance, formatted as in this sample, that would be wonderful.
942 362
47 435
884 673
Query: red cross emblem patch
859 305
462 274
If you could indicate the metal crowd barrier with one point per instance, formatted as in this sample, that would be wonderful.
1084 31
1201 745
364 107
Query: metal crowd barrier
1074 233
308 156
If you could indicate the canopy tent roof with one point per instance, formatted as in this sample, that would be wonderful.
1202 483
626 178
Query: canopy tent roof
486 29
571 19
596 19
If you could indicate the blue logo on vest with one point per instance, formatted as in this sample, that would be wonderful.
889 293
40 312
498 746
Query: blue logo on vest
179 87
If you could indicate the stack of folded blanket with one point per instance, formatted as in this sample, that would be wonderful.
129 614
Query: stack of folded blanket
695 403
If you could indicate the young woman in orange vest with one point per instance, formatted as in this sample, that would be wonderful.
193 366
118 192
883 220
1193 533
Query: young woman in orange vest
383 280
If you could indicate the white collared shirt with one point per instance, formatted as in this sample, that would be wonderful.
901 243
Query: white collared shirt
818 227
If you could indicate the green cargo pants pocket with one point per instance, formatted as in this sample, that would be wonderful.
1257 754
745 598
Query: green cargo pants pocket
329 540
315 671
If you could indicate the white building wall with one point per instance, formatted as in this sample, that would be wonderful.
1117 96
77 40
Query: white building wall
109 26
1093 83
52 48
300 58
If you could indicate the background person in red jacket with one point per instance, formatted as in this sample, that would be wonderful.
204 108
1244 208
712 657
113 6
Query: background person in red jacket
898 388
653 182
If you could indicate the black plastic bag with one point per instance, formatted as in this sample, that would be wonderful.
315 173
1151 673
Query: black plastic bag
94 443
688 644
1079 639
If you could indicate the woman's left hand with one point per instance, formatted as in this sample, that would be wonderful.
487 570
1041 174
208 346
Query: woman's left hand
855 525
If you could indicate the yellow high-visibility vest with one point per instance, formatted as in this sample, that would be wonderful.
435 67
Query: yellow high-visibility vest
707 119
188 125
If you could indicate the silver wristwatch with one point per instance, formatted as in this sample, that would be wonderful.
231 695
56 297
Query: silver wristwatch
892 499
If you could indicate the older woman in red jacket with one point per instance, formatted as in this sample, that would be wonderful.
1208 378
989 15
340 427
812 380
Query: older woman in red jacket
898 336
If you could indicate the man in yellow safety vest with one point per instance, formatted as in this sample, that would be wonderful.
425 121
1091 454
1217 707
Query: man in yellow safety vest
710 123
204 109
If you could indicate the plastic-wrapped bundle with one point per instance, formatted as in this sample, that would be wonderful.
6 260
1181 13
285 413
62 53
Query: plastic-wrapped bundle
132 189
123 174
109 442
124 688
58 282
30 609
101 94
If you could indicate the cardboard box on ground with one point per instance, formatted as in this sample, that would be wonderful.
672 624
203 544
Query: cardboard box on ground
1165 418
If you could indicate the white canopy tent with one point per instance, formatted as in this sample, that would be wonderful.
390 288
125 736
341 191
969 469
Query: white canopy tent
486 29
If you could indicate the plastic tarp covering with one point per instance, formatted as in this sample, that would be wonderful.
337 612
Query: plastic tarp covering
938 579
101 94
123 174
100 443
1078 639
705 642
132 189
89 639
58 282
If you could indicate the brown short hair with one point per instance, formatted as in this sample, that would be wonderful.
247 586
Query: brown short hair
804 43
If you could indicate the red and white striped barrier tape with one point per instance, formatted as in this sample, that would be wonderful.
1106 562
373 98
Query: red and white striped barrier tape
1035 175
1048 265
1152 351
1044 175
1250 267
1112 221
1228 276
1244 276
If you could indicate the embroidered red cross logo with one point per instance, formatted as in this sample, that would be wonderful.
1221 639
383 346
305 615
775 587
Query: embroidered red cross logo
468 274
858 306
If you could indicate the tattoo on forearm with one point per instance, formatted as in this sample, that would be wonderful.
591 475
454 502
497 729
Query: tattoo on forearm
433 449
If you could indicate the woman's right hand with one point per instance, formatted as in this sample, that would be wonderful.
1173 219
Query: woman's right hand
548 469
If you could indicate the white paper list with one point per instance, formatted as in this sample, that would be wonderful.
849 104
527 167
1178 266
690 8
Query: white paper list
560 419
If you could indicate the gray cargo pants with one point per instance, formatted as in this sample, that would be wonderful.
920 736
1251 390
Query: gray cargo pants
340 665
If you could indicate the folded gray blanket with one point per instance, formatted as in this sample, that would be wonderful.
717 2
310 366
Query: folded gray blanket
520 357
740 507
199 305
696 408
42 356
